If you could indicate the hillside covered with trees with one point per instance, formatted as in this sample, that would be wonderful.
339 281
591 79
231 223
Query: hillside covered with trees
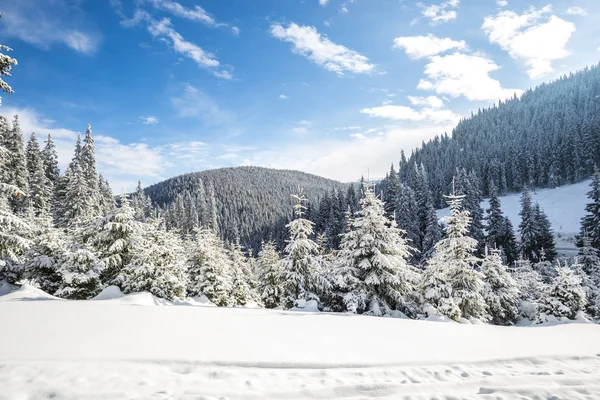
548 137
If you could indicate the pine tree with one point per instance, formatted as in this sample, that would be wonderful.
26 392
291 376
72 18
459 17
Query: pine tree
40 187
242 280
114 237
500 290
565 297
373 263
527 228
156 264
141 203
50 161
88 167
469 185
210 272
6 64
590 223
107 199
406 216
77 206
499 229
80 273
44 257
270 280
301 264
17 164
454 255
546 249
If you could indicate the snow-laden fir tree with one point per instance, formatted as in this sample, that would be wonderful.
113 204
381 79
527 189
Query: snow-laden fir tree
107 199
500 290
590 223
527 228
301 264
40 188
469 185
141 203
372 263
114 237
270 280
407 218
454 255
88 167
78 206
243 284
590 282
44 257
16 163
531 288
589 256
6 64
80 271
565 297
436 292
546 249
499 229
210 271
50 161
157 264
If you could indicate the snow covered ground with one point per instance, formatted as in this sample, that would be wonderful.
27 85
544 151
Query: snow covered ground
564 206
134 347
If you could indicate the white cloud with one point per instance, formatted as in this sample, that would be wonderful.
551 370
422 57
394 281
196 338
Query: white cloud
283 96
576 11
464 75
343 10
527 39
501 3
440 13
429 101
194 14
149 120
426 46
163 28
323 3
44 24
322 51
410 114
193 103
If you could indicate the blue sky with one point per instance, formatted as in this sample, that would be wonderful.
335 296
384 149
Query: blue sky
335 87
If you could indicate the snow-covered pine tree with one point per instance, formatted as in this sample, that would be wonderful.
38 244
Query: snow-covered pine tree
141 203
17 164
40 187
407 218
213 221
454 255
565 297
50 161
588 256
372 263
6 64
528 228
115 238
500 290
531 288
157 264
44 257
590 223
432 233
499 228
270 280
210 272
242 280
546 249
469 185
77 207
80 272
590 282
88 167
301 263
107 199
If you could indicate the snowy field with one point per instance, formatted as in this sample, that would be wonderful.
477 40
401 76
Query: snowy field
135 347
564 206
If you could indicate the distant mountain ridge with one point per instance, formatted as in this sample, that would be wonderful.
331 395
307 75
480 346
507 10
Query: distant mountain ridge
251 203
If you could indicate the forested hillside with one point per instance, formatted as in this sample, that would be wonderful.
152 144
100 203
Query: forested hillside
548 137
247 203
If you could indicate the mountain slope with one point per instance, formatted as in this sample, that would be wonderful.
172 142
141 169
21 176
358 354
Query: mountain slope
548 137
250 202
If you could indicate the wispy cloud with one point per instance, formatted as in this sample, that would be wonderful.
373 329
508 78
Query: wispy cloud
405 113
45 24
196 13
322 51
576 11
283 97
439 13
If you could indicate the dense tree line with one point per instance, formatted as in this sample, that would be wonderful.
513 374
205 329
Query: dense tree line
547 137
